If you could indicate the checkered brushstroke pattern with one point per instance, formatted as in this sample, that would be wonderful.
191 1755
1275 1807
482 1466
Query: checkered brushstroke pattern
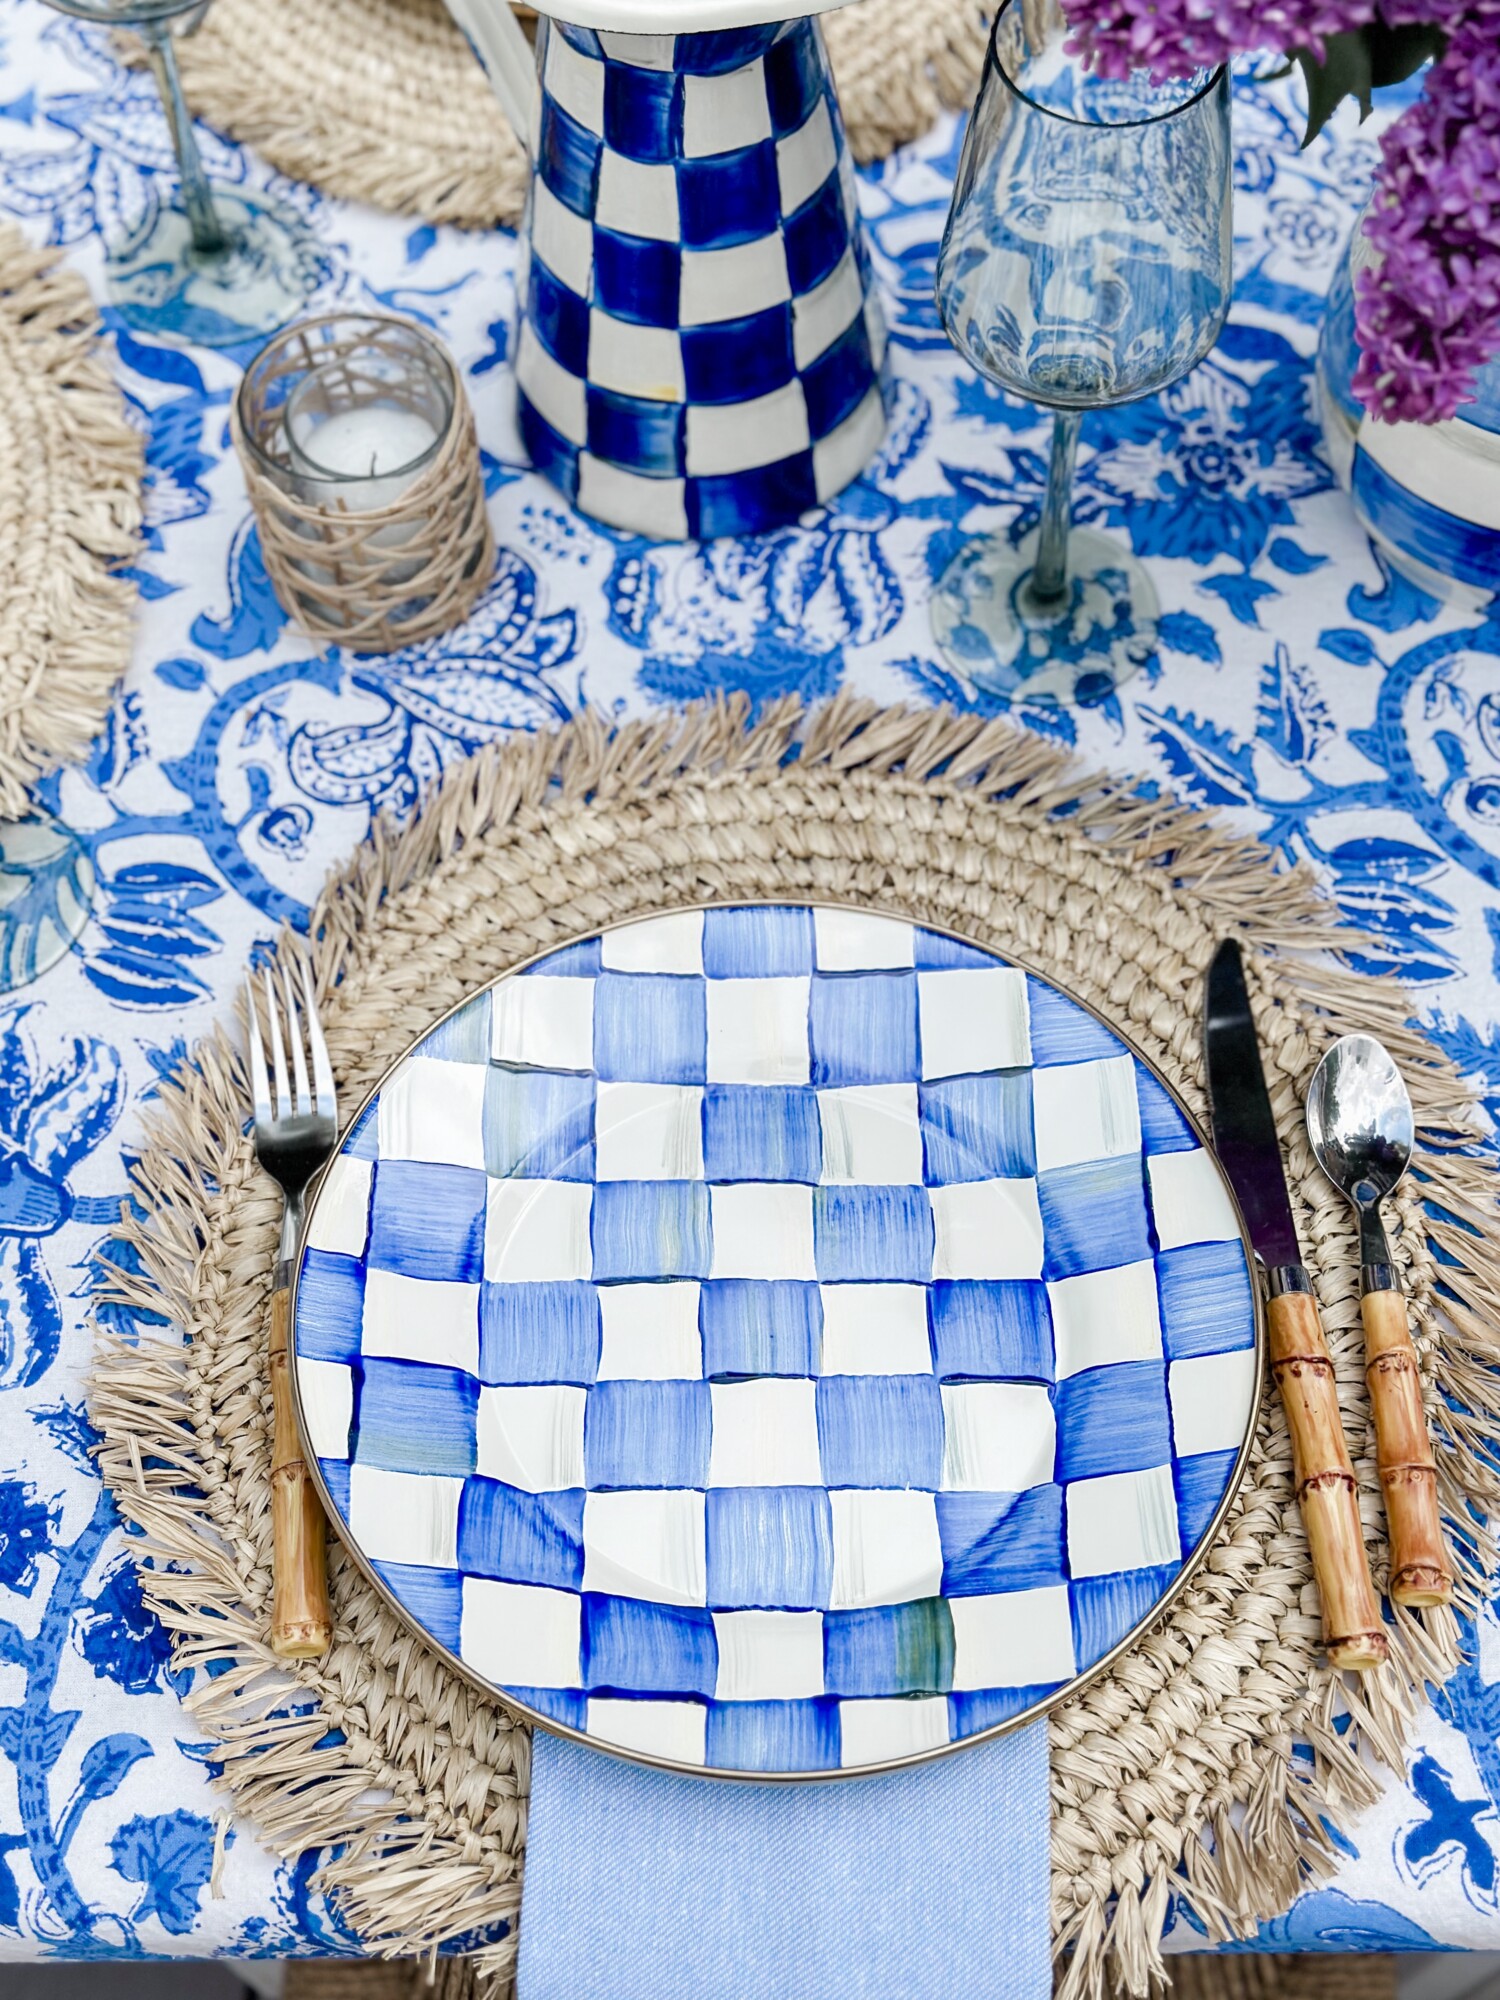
699 349
775 1339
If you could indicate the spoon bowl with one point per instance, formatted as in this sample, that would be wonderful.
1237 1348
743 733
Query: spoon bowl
1359 1118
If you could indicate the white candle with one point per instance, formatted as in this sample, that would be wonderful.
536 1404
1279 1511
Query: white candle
357 461
373 453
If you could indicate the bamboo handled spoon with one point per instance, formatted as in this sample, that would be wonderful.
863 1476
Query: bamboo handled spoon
1359 1118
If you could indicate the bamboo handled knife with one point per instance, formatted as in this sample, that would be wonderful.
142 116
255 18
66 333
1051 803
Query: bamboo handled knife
1250 1152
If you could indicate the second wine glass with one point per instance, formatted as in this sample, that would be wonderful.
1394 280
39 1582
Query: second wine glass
218 266
1086 262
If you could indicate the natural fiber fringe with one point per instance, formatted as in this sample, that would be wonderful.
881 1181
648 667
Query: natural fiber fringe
70 512
899 63
1174 1773
373 100
382 100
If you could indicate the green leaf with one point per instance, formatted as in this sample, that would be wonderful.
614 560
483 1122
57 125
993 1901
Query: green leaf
1345 71
1361 61
1397 53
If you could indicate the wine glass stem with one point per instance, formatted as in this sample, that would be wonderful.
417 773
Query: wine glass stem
1049 575
197 200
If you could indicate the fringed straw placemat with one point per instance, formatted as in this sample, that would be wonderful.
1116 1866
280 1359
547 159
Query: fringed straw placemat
1175 1773
70 512
383 101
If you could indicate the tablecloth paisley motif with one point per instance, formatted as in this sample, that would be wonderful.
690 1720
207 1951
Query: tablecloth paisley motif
1326 704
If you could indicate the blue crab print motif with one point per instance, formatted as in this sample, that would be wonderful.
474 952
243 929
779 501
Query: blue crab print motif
1450 1827
52 1115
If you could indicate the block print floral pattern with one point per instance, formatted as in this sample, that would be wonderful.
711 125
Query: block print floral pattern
1322 703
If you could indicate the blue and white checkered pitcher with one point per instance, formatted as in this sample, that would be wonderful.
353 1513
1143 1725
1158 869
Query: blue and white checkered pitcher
699 348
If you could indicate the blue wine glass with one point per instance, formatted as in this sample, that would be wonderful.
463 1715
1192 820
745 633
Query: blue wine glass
1086 262
218 265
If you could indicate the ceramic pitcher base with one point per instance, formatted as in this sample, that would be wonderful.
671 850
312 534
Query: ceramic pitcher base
701 506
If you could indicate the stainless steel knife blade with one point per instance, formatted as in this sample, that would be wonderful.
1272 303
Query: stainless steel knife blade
1240 1106
1249 1152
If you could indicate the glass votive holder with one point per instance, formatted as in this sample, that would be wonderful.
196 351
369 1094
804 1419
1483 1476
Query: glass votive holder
362 466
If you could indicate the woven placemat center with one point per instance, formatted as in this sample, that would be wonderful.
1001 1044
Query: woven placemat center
1175 1772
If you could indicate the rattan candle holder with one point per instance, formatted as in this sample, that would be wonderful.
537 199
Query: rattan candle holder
362 465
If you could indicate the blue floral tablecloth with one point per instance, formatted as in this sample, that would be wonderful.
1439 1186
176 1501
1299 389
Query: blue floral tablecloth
1298 687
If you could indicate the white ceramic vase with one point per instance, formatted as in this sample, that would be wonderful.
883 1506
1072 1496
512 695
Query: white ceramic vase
1428 495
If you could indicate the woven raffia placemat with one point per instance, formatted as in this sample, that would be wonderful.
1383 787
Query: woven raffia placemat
70 513
383 100
1176 1771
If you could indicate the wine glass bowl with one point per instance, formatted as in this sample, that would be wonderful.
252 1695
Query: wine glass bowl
1087 261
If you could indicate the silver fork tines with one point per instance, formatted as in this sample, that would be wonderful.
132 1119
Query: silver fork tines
296 1119
260 1083
299 1065
327 1103
283 1105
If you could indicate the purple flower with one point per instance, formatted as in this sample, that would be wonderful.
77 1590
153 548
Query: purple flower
1174 37
1428 313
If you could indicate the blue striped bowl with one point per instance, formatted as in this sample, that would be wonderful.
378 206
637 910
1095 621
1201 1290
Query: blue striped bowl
1428 495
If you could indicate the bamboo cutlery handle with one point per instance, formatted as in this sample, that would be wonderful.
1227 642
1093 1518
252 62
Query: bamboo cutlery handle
301 1619
1353 1632
1420 1570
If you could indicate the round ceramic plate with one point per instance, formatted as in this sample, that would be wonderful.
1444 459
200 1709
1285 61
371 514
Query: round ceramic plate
775 1341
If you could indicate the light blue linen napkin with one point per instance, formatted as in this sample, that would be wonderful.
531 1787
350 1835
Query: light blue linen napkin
927 1884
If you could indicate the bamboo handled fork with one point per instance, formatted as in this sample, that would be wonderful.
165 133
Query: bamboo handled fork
296 1130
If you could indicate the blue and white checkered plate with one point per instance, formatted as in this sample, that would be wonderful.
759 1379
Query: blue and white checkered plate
775 1340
